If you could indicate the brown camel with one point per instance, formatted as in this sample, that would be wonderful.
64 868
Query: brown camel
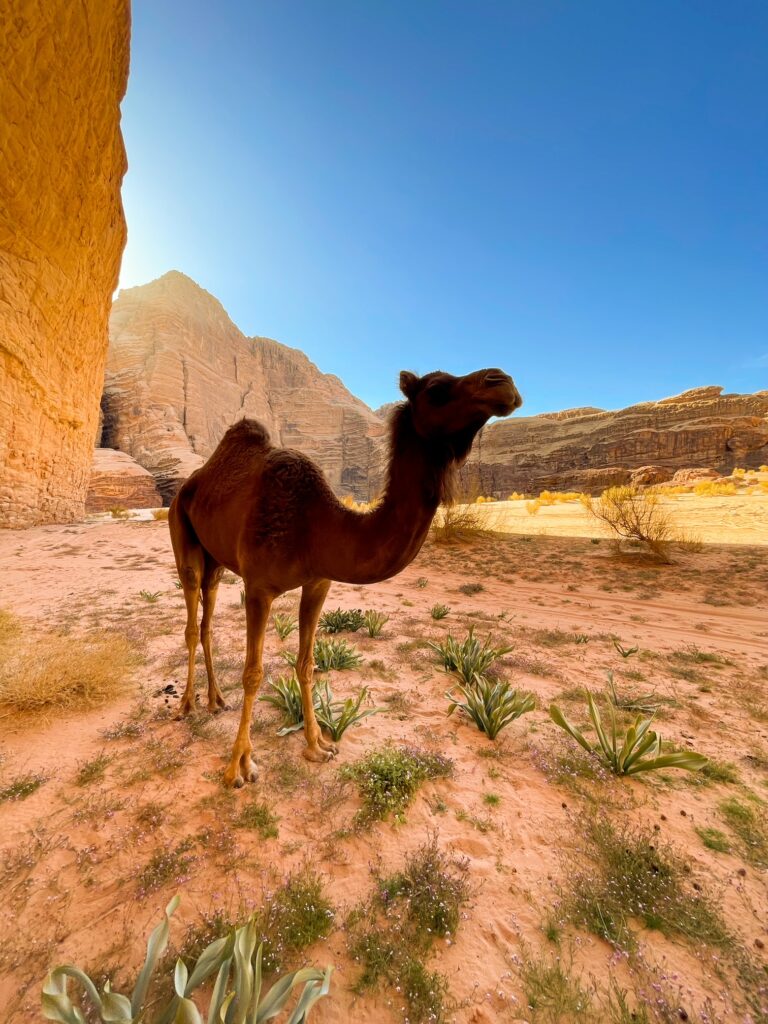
269 515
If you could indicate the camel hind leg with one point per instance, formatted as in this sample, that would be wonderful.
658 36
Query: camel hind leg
190 563
210 588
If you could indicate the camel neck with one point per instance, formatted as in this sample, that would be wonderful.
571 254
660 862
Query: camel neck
382 542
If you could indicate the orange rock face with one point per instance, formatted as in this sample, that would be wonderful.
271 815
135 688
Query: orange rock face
179 372
62 233
118 481
585 449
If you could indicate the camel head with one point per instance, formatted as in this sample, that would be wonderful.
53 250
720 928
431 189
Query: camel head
452 409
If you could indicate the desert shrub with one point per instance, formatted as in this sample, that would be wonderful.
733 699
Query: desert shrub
21 787
635 876
455 523
53 672
294 916
342 621
492 706
336 716
391 936
515 496
625 652
388 779
284 625
439 611
634 515
234 959
150 596
714 488
434 887
257 816
374 622
160 514
639 750
751 827
470 658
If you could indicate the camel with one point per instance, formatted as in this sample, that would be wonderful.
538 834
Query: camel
268 515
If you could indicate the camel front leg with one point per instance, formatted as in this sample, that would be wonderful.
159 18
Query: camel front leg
241 768
312 598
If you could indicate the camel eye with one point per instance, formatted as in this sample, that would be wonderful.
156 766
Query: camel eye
439 392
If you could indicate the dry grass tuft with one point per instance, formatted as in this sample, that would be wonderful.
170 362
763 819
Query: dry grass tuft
160 513
456 523
53 672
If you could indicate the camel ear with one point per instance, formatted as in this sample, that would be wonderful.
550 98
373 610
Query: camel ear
409 383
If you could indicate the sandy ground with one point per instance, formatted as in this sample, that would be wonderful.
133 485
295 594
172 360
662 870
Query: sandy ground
72 854
734 519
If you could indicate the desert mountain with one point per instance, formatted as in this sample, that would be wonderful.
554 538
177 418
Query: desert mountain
588 449
179 372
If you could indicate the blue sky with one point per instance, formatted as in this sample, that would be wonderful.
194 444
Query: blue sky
575 191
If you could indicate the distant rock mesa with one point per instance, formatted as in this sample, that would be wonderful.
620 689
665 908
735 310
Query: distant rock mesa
584 449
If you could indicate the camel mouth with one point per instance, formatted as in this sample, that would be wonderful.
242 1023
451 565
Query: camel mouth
513 400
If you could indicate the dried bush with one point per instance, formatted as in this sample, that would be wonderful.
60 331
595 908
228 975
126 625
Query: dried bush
635 515
53 672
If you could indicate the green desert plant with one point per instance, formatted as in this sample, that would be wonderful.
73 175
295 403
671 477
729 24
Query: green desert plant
439 611
491 705
342 621
335 654
638 751
625 652
284 625
285 695
234 959
470 658
336 716
389 778
422 582
643 703
374 622
581 638
329 654
150 596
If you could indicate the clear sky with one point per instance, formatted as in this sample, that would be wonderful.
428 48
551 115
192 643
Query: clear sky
575 191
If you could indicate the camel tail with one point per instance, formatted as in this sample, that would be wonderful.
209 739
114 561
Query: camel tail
183 537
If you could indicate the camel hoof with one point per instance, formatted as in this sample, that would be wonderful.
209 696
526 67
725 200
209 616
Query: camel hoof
317 755
239 782
250 772
330 747
217 708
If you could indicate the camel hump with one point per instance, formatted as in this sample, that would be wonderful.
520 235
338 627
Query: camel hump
248 433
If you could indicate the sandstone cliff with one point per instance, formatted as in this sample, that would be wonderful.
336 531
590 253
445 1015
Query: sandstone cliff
179 372
118 481
585 449
62 233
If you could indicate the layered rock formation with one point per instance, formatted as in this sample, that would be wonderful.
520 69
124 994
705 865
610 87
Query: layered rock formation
62 233
179 372
118 481
585 449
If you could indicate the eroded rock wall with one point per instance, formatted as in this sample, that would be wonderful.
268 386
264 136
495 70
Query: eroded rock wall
588 449
118 481
64 68
179 372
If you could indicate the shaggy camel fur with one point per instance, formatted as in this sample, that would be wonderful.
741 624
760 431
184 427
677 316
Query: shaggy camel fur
268 514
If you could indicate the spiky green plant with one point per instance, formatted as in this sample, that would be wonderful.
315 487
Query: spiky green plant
639 750
285 695
150 596
236 998
581 638
374 622
491 705
336 716
625 652
284 625
439 611
342 620
646 703
470 658
335 654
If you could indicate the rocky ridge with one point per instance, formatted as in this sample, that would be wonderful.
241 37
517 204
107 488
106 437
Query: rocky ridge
179 372
585 449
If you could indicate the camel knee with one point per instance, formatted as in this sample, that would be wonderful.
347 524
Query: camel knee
192 636
252 681
190 577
